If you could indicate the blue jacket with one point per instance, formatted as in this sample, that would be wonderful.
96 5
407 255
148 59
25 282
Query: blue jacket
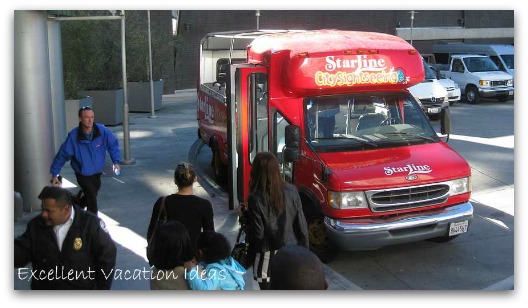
224 275
87 157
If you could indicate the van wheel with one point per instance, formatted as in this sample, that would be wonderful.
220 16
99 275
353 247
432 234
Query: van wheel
472 95
319 242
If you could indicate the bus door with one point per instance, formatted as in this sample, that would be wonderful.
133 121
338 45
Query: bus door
248 128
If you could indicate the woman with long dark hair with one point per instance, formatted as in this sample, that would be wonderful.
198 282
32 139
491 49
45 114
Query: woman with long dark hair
275 215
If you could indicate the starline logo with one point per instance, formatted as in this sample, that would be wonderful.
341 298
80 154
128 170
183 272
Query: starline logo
409 169
359 64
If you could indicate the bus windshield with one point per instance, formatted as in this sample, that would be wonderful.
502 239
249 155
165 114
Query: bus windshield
348 122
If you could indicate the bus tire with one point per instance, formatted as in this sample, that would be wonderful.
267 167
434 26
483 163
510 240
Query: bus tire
219 169
319 242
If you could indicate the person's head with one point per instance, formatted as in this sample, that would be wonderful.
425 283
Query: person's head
184 175
86 117
295 267
172 245
213 247
266 178
56 205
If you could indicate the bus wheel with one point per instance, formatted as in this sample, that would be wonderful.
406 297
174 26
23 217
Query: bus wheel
319 242
219 169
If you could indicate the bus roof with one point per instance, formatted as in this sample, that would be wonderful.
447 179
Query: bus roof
326 41
262 41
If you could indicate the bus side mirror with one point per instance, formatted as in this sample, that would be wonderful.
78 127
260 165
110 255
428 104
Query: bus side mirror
292 136
445 122
291 155
292 139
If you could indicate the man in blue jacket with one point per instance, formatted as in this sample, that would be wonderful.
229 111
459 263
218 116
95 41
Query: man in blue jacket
86 147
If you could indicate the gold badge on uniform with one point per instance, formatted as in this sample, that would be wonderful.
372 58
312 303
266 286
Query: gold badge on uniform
77 243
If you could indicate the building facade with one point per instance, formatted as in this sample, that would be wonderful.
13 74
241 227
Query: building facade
426 28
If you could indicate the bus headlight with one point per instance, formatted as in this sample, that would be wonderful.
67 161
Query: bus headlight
347 200
459 186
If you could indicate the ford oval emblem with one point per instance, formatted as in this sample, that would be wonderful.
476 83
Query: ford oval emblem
411 177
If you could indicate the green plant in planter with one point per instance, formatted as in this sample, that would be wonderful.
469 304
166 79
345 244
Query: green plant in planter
138 49
91 54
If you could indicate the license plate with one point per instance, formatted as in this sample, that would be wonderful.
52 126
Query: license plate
433 110
458 227
510 92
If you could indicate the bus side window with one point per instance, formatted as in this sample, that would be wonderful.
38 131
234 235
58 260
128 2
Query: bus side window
280 124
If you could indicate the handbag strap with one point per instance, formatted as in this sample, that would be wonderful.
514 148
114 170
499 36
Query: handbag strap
162 209
243 225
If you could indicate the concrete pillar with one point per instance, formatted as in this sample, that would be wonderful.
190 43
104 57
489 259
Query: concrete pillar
33 124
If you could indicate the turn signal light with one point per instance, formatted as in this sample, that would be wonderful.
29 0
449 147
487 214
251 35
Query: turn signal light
303 55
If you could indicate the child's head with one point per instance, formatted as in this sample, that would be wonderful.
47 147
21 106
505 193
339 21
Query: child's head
213 247
172 245
297 268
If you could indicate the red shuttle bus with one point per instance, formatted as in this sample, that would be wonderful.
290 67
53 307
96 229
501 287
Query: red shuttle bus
333 106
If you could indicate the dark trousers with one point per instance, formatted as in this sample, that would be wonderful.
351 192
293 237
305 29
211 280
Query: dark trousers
90 185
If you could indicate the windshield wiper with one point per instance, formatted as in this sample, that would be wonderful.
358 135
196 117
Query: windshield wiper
358 139
409 135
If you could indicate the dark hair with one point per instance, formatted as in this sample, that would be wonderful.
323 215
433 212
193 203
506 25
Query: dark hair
61 195
172 245
83 108
184 175
295 267
214 246
266 179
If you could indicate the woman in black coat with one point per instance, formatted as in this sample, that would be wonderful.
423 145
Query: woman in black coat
275 215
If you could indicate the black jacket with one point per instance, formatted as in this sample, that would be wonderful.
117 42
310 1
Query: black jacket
86 261
269 230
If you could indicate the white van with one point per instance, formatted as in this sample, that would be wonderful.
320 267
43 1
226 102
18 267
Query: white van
502 55
431 94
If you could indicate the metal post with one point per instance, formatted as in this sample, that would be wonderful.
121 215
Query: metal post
412 25
126 133
257 13
153 115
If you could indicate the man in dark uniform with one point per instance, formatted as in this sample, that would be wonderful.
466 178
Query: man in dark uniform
69 248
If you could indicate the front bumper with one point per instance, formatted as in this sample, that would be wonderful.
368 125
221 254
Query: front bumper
492 92
369 234
454 95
